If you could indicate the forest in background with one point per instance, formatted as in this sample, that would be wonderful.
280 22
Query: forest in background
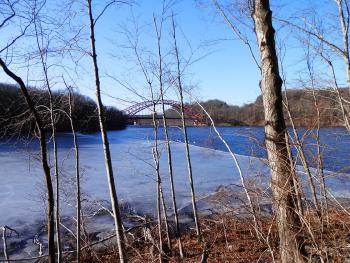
301 106
15 117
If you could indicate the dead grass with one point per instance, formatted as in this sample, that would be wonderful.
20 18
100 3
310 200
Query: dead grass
229 239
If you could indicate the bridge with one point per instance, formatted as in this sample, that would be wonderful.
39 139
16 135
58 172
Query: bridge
133 111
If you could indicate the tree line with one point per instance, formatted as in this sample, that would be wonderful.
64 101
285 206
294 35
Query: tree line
302 108
16 120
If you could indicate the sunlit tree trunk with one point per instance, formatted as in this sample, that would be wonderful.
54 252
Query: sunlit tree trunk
77 174
165 126
106 150
284 199
343 9
184 128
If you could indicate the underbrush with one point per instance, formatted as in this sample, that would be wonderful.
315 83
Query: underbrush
226 238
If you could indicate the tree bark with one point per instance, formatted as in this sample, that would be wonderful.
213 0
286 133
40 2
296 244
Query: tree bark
184 129
344 22
106 150
43 60
44 161
166 135
284 199
77 174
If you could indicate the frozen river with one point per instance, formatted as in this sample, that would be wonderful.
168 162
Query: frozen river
22 180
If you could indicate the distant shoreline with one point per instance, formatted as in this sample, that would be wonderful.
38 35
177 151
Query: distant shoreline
223 125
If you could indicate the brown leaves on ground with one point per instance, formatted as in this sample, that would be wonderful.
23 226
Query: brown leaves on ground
229 239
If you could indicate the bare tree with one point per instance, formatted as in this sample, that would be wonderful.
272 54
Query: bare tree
291 247
106 150
42 50
299 146
335 87
44 161
320 170
77 169
4 239
329 40
158 30
344 17
184 129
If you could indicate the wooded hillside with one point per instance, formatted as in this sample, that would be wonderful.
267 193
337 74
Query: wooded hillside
16 118
301 103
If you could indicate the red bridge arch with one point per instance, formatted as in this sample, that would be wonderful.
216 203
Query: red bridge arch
138 107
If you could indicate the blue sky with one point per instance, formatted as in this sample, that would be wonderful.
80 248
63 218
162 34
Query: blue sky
226 71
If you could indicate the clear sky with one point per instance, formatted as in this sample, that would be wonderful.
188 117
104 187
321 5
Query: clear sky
225 71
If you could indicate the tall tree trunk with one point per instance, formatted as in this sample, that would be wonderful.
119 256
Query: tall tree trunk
56 174
44 161
160 197
284 199
323 192
344 22
159 215
77 174
43 60
184 128
320 172
155 152
106 150
165 126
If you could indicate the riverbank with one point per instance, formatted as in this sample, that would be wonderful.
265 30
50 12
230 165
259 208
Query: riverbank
227 239
228 235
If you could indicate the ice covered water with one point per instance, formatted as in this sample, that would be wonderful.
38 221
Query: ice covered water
22 194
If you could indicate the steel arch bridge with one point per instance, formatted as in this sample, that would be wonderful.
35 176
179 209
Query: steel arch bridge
131 111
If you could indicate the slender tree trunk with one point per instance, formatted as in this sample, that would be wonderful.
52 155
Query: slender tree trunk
160 196
106 150
159 215
184 128
344 22
322 183
234 157
171 177
344 17
54 139
7 258
156 153
77 175
44 161
282 185
297 185
165 217
56 174
302 156
323 192
170 165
